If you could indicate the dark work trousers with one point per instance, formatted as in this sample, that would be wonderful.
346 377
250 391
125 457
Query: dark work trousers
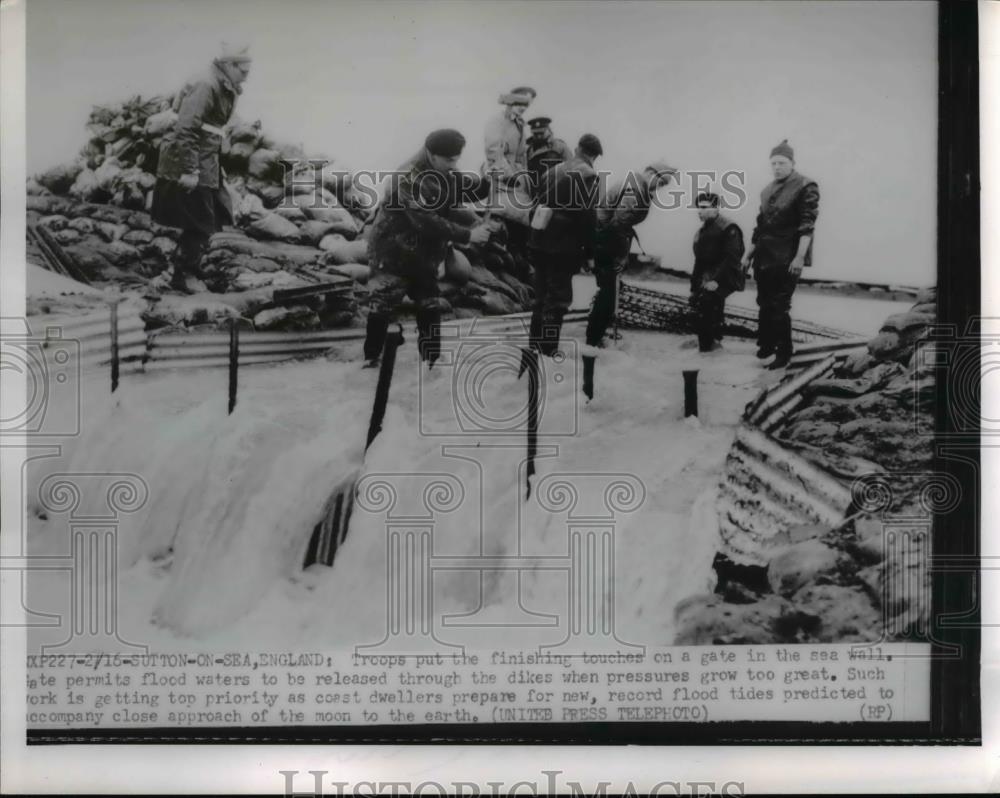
775 286
610 260
553 296
191 245
387 293
710 309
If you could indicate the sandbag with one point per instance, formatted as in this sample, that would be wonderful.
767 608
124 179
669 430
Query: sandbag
59 179
345 252
314 231
356 271
331 242
106 173
250 208
137 237
457 268
245 132
85 186
293 214
274 227
266 165
121 254
159 123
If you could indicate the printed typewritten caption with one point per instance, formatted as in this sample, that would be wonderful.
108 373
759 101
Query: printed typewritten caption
877 683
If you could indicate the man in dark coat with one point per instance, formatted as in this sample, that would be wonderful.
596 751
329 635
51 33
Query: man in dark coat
566 243
544 149
189 191
781 246
419 216
717 272
625 205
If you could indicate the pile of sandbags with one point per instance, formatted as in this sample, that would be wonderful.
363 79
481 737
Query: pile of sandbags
870 426
291 210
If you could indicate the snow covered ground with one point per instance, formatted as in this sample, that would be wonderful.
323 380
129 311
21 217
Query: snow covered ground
212 558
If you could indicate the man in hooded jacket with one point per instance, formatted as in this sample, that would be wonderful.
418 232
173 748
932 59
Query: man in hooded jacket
189 191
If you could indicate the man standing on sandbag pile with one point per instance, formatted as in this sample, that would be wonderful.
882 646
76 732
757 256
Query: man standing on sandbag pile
419 216
505 140
544 149
625 205
717 272
189 191
781 246
566 243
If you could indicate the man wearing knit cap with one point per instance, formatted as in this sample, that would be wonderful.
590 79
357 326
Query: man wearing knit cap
560 249
625 205
189 191
419 216
505 140
718 249
781 246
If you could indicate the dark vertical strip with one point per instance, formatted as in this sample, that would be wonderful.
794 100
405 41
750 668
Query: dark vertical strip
955 688
392 343
114 347
690 393
234 361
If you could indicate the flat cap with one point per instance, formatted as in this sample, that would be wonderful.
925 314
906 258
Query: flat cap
590 144
446 142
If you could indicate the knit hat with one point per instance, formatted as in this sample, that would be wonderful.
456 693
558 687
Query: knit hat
446 143
591 145
784 149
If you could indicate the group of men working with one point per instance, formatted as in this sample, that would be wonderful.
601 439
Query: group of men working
573 224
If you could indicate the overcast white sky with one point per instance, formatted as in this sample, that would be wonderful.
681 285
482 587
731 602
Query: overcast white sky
708 85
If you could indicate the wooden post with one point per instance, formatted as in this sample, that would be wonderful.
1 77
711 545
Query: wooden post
690 393
114 347
234 360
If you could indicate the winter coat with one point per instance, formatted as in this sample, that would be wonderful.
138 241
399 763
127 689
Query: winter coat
718 250
543 156
506 146
625 205
788 210
570 189
419 216
191 148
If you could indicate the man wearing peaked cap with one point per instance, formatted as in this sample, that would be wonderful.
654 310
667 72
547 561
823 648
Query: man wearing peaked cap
560 249
189 191
418 218
781 246
544 149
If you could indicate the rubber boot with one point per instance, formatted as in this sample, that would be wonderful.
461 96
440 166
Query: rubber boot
178 281
376 330
765 337
429 335
783 349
